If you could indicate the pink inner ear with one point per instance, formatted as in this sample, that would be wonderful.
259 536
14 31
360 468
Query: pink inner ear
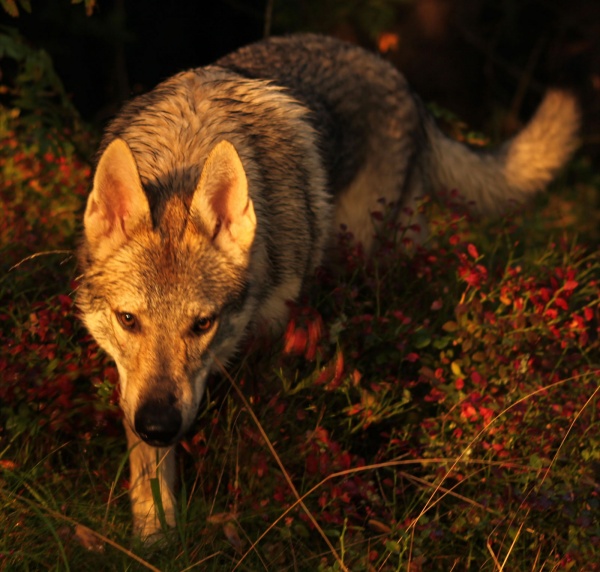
117 203
221 202
221 199
123 207
217 229
114 205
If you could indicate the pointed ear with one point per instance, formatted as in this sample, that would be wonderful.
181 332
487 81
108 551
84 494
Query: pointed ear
221 201
117 203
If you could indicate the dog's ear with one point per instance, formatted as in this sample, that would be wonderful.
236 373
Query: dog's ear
117 204
221 202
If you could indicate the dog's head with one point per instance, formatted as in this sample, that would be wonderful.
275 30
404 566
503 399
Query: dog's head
166 293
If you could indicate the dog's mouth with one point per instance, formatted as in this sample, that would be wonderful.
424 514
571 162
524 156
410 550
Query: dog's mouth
158 444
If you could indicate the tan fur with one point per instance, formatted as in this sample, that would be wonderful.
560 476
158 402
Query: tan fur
150 463
491 183
218 194
117 182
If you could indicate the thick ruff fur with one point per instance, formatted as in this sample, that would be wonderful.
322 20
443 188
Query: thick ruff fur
217 195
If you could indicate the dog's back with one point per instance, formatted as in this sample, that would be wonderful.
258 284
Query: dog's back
378 141
360 105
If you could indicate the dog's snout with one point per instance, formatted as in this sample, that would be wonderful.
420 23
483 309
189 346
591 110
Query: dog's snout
158 422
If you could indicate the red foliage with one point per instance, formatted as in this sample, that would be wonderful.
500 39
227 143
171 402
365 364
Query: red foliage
51 366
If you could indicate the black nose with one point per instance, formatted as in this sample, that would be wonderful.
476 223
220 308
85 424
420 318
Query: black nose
158 422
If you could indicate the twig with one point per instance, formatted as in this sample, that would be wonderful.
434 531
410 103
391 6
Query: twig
494 557
512 545
37 255
268 19
283 470
101 537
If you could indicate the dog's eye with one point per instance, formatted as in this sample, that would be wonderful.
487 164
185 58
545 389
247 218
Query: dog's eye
128 321
202 325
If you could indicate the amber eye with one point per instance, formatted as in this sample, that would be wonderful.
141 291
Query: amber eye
202 325
128 321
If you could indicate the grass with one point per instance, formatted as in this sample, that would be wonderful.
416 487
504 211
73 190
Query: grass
429 412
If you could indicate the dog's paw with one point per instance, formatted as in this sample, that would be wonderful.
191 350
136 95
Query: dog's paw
154 537
149 524
150 531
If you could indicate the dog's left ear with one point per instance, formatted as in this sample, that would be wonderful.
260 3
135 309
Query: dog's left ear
117 204
221 202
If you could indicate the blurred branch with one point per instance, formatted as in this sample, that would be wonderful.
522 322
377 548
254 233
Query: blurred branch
268 19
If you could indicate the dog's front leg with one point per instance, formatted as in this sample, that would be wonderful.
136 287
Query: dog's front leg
147 463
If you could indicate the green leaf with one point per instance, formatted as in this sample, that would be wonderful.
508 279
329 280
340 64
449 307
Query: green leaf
10 7
455 367
536 462
392 546
156 497
421 339
442 343
450 326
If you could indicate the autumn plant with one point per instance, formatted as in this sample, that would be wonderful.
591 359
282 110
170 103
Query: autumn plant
435 408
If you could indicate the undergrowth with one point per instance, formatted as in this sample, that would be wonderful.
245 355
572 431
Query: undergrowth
436 410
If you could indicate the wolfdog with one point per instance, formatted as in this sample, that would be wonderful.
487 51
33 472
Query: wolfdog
217 194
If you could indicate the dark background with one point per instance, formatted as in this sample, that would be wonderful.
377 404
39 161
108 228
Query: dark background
488 61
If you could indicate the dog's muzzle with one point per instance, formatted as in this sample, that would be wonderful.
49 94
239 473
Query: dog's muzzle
158 423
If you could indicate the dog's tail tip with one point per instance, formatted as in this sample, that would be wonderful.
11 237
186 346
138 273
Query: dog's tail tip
546 143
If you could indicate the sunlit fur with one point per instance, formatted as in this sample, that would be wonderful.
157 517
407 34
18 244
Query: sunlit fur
218 194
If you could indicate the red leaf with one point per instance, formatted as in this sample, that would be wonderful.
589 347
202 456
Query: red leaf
561 303
570 285
8 465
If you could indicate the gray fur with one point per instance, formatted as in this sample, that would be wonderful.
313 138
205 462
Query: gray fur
218 193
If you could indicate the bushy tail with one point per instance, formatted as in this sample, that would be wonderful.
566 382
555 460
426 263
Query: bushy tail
493 181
